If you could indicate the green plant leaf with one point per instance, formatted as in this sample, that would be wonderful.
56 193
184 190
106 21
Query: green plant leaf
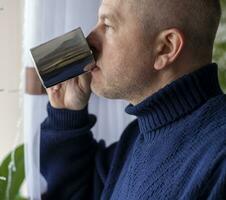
222 79
20 198
17 176
219 53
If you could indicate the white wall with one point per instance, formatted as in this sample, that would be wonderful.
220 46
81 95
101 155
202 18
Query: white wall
10 69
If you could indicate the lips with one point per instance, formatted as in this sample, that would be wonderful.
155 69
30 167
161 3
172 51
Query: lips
89 67
95 69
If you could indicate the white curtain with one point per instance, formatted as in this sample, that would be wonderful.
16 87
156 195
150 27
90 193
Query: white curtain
44 20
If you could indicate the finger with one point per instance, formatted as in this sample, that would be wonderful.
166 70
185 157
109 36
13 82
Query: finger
56 87
71 83
53 89
84 81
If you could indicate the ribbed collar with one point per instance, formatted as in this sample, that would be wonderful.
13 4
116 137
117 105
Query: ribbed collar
177 99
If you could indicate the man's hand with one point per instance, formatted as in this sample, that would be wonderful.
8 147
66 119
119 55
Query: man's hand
72 94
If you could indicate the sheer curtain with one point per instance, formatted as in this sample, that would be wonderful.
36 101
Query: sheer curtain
44 20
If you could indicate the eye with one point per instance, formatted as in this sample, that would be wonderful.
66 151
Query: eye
107 26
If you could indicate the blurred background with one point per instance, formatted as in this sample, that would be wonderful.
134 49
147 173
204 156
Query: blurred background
11 25
27 23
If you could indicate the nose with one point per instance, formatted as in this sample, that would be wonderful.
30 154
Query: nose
94 42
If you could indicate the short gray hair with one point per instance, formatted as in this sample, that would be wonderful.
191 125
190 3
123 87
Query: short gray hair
197 19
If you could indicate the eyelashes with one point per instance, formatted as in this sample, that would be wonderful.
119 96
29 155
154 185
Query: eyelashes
107 26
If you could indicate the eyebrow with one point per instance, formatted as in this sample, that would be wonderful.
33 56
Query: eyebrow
108 15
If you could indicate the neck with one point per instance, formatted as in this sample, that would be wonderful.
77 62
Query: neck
177 99
165 76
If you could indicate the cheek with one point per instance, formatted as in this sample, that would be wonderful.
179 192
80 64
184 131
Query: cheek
124 60
113 58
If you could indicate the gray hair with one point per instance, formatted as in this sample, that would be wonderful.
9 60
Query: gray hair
197 19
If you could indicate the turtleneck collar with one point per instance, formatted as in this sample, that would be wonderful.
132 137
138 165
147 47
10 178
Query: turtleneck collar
177 99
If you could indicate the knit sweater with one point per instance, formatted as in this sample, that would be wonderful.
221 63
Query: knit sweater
174 149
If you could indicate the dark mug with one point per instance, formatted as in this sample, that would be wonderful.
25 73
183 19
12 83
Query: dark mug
62 58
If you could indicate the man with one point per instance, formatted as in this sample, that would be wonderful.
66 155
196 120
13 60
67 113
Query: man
156 54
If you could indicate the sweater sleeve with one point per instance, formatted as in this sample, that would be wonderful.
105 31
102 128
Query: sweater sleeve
69 155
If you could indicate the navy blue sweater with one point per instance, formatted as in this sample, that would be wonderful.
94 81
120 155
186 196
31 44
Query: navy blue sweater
175 149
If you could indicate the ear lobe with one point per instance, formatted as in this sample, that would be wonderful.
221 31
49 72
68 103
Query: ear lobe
160 62
161 59
169 46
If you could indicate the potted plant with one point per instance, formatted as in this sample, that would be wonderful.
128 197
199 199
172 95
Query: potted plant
12 175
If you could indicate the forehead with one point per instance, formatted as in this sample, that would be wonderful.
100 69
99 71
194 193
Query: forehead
116 10
112 7
112 2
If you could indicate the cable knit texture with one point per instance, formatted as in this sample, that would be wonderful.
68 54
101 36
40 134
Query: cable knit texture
175 149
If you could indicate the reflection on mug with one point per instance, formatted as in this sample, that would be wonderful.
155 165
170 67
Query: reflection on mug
62 58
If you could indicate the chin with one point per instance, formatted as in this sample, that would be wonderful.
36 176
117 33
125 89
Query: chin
103 92
100 93
95 90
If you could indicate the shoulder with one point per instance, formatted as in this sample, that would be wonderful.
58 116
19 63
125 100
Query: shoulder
209 127
216 107
212 116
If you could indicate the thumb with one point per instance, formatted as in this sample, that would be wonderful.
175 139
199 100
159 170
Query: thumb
84 81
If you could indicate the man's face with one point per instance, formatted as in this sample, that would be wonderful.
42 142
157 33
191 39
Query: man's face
123 53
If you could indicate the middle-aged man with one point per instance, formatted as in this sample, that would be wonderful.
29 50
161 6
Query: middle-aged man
157 55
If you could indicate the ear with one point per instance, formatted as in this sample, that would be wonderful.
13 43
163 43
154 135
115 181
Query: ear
169 44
